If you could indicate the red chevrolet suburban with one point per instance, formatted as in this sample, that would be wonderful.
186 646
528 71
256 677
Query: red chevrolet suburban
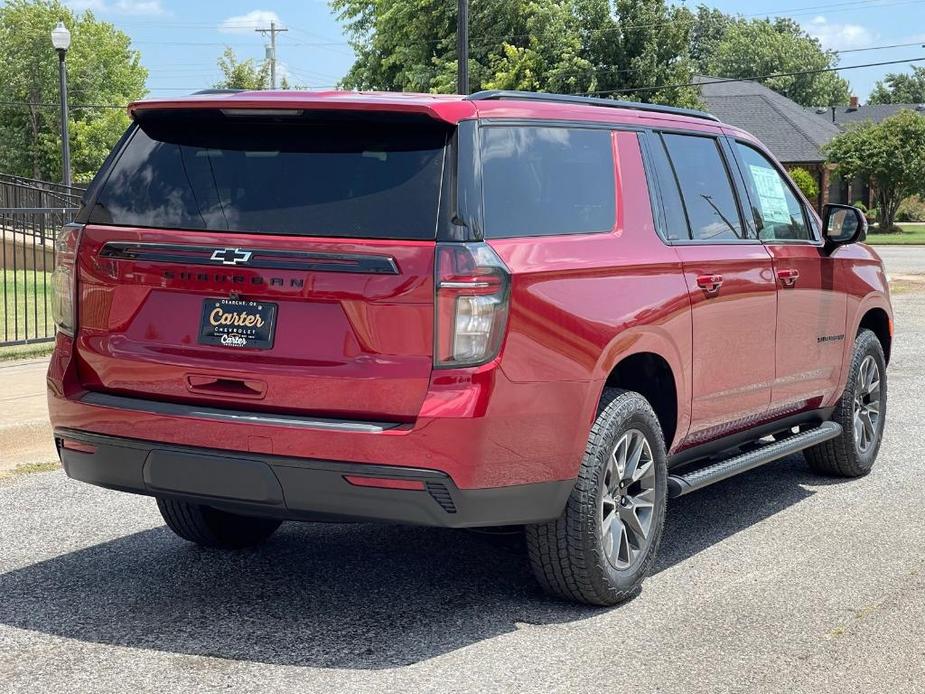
502 309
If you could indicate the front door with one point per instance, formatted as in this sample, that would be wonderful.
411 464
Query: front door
810 312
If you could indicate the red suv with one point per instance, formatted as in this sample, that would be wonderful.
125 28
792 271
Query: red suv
503 309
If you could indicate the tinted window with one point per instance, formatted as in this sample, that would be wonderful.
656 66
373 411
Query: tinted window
282 176
542 181
777 211
675 219
705 186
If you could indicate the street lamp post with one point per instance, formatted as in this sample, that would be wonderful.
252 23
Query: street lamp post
61 40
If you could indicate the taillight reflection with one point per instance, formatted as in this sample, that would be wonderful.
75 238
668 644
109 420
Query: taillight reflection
63 279
472 286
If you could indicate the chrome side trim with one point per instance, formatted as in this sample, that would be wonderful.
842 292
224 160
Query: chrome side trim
235 416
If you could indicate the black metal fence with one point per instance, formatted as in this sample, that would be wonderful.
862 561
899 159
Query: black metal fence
31 213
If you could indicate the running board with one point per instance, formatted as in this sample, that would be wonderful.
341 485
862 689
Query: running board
679 485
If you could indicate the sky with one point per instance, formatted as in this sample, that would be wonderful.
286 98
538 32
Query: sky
180 40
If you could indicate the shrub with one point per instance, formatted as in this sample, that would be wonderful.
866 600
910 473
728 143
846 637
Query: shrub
911 210
860 205
806 182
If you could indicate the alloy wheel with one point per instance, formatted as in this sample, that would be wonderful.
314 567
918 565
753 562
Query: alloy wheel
627 500
867 405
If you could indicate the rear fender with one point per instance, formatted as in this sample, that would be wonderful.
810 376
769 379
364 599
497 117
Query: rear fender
639 340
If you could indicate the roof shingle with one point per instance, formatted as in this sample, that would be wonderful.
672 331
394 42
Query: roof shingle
793 134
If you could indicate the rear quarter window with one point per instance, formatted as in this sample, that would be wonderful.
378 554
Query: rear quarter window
542 181
295 176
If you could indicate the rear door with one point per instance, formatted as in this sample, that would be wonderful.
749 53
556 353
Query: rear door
269 261
730 283
810 311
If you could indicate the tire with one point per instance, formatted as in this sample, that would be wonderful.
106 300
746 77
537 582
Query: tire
853 452
571 556
209 527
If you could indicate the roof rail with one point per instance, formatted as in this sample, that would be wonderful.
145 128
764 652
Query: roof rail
217 91
505 94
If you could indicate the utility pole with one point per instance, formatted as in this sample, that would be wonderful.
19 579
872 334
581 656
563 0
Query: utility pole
462 46
272 31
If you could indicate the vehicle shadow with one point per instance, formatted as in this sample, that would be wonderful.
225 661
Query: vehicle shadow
347 596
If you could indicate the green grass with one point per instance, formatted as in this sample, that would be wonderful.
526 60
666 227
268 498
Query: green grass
25 305
911 234
29 468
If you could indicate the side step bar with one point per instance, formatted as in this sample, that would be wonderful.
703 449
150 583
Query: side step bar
679 485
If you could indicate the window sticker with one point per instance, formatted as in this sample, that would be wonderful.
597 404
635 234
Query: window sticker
771 196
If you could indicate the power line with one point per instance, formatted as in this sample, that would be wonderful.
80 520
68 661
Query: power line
489 41
752 79
881 48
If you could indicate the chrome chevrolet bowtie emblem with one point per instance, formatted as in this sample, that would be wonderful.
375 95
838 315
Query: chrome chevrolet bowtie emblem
230 256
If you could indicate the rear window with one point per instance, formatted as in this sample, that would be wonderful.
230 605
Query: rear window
540 181
283 175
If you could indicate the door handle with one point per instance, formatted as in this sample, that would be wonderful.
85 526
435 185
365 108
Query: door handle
710 283
788 277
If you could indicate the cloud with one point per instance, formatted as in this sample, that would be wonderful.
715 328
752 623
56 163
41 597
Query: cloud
840 37
136 7
255 19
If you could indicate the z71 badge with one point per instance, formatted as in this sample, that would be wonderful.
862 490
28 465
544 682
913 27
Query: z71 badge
240 324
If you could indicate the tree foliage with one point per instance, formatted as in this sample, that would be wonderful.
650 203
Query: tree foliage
104 74
805 181
242 74
620 47
646 50
744 48
891 153
900 88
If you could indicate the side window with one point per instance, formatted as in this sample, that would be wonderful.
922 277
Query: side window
708 196
540 181
777 210
675 219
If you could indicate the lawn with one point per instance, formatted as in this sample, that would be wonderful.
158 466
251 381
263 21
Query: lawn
913 234
25 305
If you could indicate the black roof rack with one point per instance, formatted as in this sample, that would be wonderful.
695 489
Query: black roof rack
503 94
217 91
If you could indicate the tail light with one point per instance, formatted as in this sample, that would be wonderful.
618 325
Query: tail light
64 279
471 305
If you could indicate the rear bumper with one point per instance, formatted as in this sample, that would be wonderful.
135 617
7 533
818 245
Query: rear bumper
300 488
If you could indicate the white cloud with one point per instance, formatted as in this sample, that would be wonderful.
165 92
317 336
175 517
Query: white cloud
136 7
840 37
81 5
255 19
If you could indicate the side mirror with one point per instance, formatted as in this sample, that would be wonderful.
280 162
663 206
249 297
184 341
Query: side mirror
843 224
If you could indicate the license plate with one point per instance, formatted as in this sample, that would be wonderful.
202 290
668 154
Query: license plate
237 324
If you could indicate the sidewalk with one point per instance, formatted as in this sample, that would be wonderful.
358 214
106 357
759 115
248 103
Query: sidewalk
25 434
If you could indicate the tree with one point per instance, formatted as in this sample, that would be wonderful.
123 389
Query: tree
708 29
770 47
805 181
238 74
900 88
104 74
891 153
628 48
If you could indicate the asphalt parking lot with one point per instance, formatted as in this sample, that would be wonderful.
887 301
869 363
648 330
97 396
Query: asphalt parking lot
772 581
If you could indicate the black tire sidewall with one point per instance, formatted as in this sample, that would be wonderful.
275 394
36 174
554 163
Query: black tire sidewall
619 418
866 345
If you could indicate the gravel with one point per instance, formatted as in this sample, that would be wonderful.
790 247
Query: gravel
774 580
